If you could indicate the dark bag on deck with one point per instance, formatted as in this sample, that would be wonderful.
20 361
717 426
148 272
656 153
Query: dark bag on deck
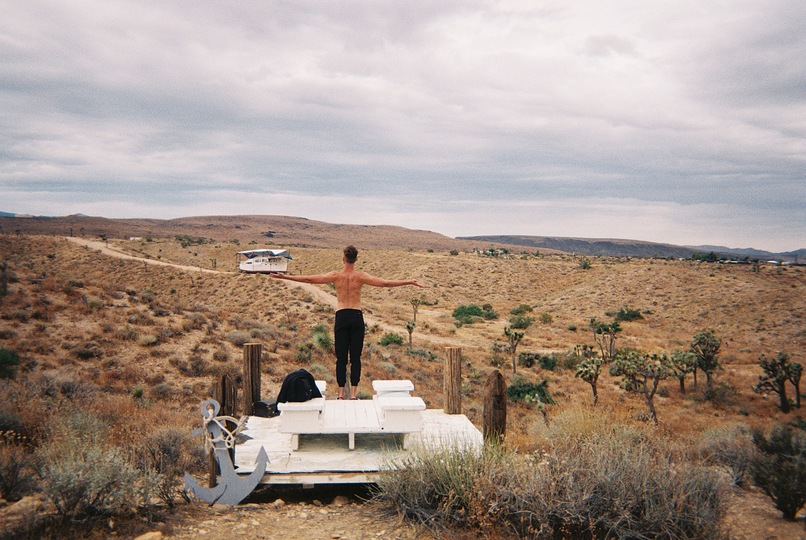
298 386
265 408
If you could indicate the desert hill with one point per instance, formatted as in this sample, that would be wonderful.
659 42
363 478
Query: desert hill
283 231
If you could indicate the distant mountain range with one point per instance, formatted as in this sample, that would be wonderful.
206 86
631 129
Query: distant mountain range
631 248
301 232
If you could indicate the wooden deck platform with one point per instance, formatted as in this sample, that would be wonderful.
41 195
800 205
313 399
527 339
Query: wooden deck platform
326 458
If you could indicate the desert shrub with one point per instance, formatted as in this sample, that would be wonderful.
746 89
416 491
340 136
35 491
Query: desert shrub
390 338
628 314
63 386
148 340
521 309
548 362
127 333
195 367
720 394
9 361
84 477
195 321
166 454
239 339
520 321
16 473
546 318
470 313
571 361
527 359
323 341
612 486
220 354
780 468
148 296
529 392
387 367
162 392
318 369
88 351
731 448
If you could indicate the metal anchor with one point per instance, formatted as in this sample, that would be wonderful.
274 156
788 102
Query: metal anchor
232 488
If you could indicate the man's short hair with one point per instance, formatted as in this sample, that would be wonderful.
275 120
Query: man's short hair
351 254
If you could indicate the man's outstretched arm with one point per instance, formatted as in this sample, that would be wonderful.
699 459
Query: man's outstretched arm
316 279
380 282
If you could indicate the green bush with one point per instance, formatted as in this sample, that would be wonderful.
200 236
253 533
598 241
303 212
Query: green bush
780 468
548 362
521 309
390 338
628 314
527 359
520 321
9 360
529 392
470 313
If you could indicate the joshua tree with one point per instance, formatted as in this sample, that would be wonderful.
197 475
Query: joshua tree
795 373
705 346
777 372
415 305
589 370
681 364
605 336
514 338
410 329
4 279
641 374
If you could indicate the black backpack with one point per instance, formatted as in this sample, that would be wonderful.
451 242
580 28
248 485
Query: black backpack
298 386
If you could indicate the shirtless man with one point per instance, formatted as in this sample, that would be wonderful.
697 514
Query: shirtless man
348 329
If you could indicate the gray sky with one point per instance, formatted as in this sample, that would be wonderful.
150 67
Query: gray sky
680 122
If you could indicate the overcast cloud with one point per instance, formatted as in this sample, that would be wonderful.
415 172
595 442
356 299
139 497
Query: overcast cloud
680 122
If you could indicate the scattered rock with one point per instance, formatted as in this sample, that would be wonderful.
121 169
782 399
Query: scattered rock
153 535
31 504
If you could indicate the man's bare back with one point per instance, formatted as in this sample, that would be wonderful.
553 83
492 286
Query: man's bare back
348 282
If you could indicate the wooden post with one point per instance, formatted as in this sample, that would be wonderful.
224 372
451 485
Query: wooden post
495 408
251 377
452 383
217 392
225 392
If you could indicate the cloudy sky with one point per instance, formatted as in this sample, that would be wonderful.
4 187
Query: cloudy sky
680 122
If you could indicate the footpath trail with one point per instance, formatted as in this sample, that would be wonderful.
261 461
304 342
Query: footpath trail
319 294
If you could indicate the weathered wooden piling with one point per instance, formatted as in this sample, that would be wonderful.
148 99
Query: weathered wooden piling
452 383
495 408
225 392
251 377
